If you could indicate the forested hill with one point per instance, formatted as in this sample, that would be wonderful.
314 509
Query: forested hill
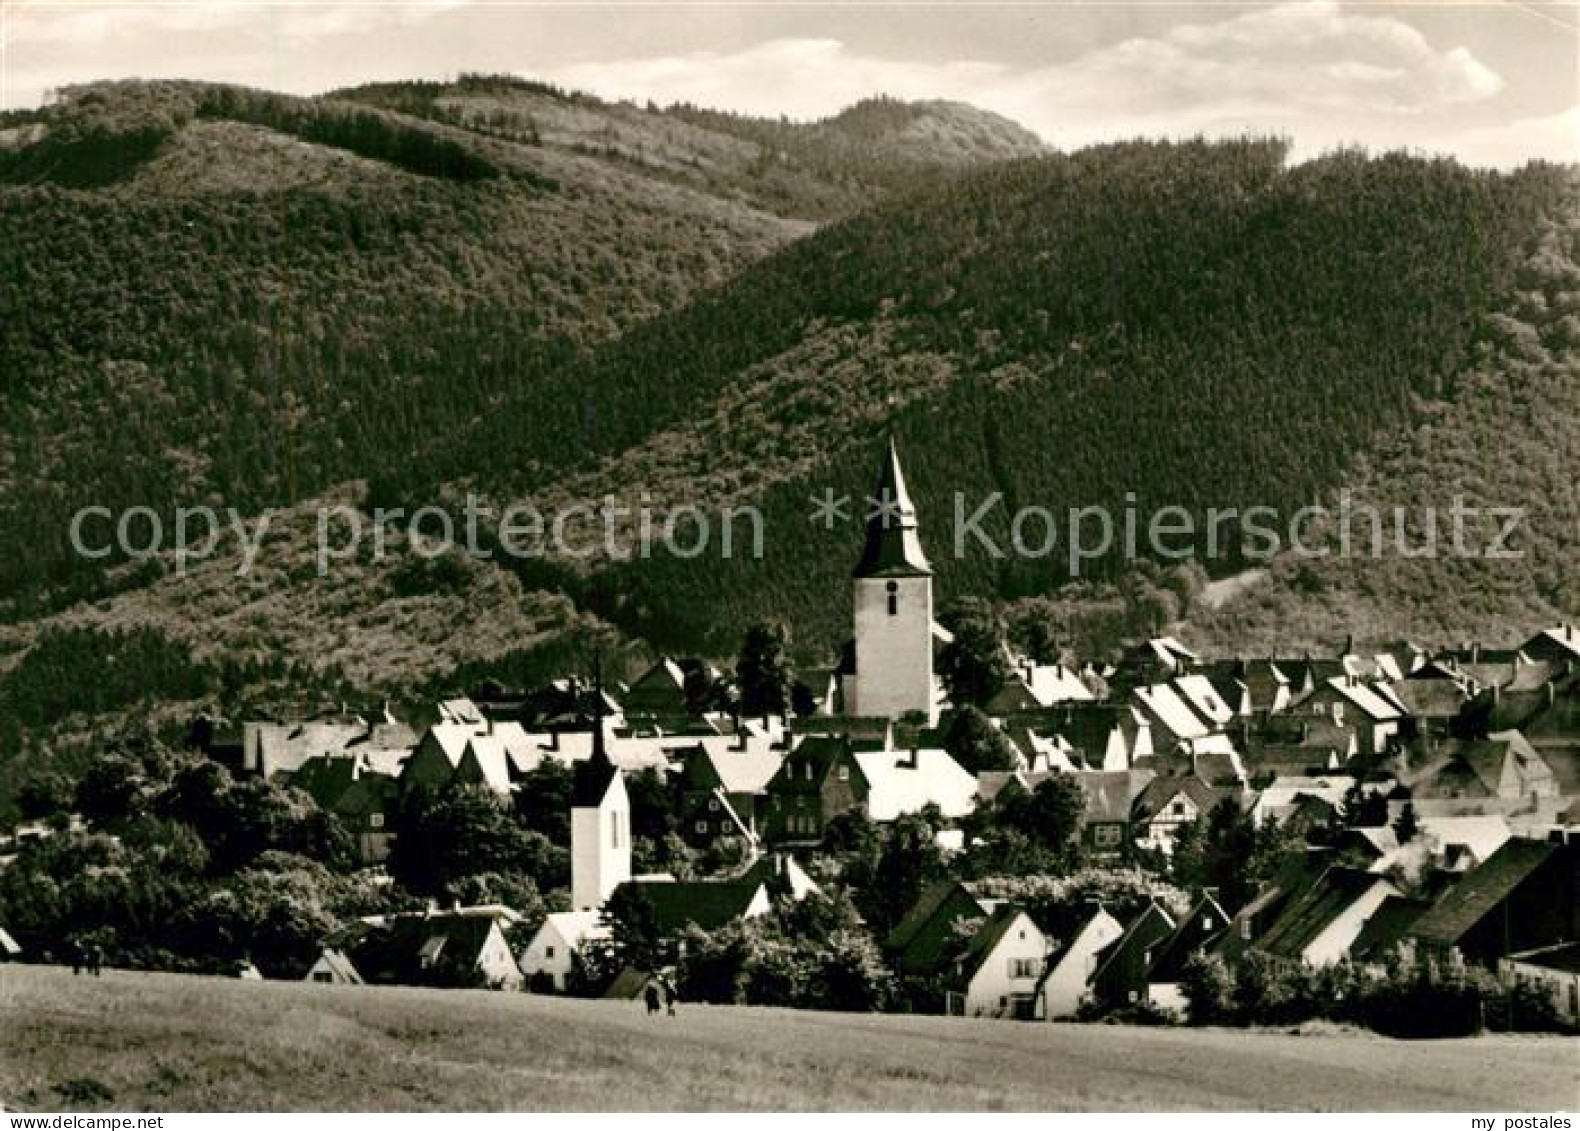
1195 325
216 294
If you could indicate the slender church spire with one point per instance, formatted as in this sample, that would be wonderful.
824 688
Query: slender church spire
893 548
592 777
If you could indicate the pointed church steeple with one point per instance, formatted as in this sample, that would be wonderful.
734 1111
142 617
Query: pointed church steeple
591 779
893 547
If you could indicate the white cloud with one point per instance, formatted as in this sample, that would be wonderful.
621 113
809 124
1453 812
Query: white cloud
1309 69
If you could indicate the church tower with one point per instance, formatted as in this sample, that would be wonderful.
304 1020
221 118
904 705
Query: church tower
600 821
893 590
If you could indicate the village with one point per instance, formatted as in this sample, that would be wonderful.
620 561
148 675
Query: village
1159 839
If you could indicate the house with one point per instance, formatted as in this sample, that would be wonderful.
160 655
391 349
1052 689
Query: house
1169 716
551 954
1105 820
1198 932
1321 925
364 799
1071 969
1121 977
1523 898
1555 969
920 942
1555 645
333 968
720 790
1000 973
824 777
465 946
1503 765
1371 709
659 692
816 782
897 782
1160 658
1168 804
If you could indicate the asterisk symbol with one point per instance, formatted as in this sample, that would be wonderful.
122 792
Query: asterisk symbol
884 511
830 508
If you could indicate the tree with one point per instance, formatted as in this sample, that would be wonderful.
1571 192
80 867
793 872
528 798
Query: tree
973 665
543 800
45 794
908 861
1050 814
469 831
633 928
978 745
762 670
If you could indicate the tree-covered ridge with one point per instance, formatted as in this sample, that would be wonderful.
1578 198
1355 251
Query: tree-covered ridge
1153 325
811 170
255 344
1503 435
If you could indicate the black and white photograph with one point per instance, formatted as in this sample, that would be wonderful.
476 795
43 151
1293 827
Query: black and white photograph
767 556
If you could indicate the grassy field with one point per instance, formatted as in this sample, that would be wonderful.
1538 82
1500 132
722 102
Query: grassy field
164 1042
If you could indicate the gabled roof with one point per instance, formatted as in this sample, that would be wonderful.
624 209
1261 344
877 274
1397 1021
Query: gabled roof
1387 927
1110 794
1366 698
1160 791
1481 891
1203 698
1198 930
708 904
985 941
338 966
1314 912
927 906
484 761
1170 708
906 781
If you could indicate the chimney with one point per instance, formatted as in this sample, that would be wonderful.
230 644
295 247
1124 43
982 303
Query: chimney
1475 653
554 737
739 742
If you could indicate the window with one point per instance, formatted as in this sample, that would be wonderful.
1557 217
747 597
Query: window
844 773
894 597
702 826
1245 929
1022 967
1108 836
376 820
548 952
807 770
614 830
322 976
713 804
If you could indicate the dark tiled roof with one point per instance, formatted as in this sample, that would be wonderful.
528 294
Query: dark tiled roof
1481 891
927 906
709 904
892 548
1387 926
1316 910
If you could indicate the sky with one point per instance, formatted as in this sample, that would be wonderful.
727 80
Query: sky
1493 82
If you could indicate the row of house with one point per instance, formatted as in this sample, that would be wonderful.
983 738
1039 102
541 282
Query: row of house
1517 913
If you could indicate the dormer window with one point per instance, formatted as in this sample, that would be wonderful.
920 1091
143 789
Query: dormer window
893 588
